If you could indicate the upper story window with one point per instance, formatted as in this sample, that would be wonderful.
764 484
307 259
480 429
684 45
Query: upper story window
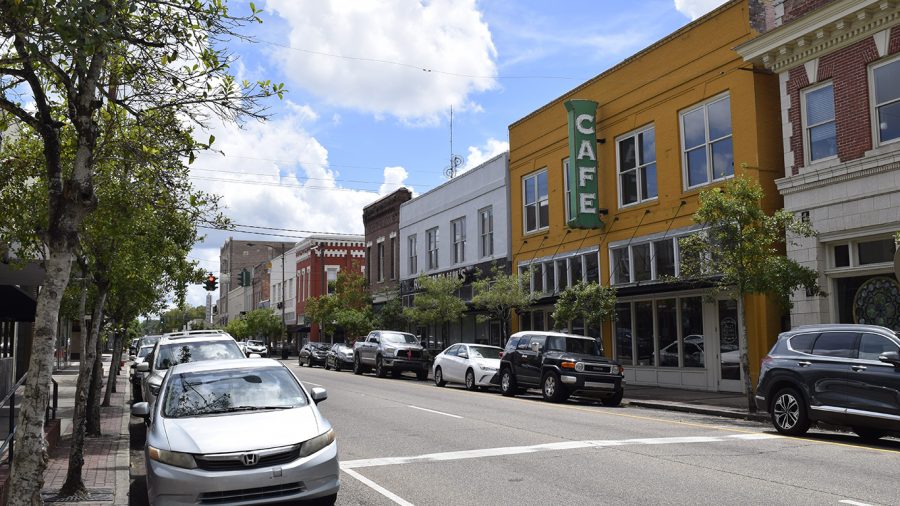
331 274
861 252
707 151
565 175
431 236
459 240
644 261
486 231
536 201
819 136
394 262
381 261
553 275
886 84
637 166
413 257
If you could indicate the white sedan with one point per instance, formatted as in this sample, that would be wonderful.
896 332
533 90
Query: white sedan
474 365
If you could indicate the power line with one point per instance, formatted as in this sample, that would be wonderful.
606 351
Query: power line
250 232
317 232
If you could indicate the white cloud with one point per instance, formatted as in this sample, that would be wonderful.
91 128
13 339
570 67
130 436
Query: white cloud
442 35
393 180
696 8
479 155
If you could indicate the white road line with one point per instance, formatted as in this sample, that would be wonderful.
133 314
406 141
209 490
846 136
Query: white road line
433 411
563 445
854 503
313 384
378 488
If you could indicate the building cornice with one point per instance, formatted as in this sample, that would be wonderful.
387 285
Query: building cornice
838 174
825 30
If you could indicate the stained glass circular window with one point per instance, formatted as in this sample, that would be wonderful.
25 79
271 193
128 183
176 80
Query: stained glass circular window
877 302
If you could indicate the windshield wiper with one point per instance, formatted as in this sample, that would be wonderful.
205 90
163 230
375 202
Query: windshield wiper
251 408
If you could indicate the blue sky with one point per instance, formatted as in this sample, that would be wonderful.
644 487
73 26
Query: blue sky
370 85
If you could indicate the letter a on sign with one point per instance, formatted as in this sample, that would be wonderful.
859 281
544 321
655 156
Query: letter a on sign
582 175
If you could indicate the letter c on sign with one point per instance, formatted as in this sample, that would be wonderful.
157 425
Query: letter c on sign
582 118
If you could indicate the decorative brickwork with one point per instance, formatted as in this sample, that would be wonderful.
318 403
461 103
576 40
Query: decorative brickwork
796 82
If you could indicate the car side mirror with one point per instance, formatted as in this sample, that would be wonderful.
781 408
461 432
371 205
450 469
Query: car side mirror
463 355
255 355
319 394
143 367
891 357
141 409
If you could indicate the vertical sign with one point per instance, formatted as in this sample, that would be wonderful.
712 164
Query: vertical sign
208 307
582 173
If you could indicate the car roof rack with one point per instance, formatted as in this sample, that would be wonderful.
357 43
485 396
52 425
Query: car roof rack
193 333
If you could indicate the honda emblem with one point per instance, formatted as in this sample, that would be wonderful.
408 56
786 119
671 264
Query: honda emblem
249 459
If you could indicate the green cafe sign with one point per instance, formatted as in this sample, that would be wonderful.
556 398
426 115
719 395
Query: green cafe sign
582 173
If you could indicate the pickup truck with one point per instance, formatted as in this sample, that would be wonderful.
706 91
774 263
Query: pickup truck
387 350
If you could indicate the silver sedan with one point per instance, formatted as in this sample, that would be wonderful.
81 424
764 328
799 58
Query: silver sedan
205 443
474 365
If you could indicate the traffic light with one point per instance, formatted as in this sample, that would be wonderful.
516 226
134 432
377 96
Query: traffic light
211 282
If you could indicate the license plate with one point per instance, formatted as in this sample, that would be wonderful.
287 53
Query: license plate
594 384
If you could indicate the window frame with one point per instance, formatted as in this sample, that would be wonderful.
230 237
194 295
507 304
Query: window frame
433 254
486 235
685 170
537 202
654 268
637 166
873 106
458 229
807 145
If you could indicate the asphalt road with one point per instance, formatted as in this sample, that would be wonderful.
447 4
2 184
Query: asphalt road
404 442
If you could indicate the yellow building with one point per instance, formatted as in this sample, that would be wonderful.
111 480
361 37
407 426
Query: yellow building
678 117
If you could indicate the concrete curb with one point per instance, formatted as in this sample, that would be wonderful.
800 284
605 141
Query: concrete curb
123 456
701 410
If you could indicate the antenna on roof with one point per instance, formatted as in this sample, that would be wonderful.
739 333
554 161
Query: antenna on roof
456 161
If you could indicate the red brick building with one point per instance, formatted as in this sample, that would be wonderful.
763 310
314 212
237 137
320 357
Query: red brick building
838 64
319 260
381 220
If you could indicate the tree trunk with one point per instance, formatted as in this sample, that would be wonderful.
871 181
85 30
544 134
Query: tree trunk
74 485
113 368
27 475
745 357
93 401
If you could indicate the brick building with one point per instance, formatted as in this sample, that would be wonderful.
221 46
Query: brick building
838 64
381 220
261 285
319 259
234 257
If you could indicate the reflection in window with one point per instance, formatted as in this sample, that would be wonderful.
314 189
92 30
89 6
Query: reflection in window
873 345
577 269
707 147
537 278
835 344
664 252
886 81
692 332
621 266
562 274
537 215
667 329
637 167
624 353
592 267
641 256
549 273
643 331
874 252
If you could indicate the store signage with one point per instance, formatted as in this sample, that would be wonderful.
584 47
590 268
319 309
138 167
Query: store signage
582 173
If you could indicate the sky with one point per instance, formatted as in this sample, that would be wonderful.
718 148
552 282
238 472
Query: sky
370 86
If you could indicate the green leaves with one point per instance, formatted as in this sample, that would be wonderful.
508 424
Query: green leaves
500 293
591 302
437 300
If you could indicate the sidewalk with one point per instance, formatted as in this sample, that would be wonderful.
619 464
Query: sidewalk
106 459
731 405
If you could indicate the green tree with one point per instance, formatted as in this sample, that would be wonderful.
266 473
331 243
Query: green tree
349 307
741 250
322 311
389 316
437 301
591 302
499 295
65 59
262 323
238 329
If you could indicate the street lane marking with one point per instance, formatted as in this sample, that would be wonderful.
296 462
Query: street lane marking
854 503
313 384
378 488
563 445
433 411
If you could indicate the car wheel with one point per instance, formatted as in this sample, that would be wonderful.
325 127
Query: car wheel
552 388
327 367
439 377
337 365
357 367
470 380
379 368
507 383
613 401
869 435
789 412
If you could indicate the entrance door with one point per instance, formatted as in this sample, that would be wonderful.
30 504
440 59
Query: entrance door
728 354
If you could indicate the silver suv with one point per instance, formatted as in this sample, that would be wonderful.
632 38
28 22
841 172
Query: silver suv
182 347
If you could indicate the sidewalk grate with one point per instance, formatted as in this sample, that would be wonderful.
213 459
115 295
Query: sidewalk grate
93 495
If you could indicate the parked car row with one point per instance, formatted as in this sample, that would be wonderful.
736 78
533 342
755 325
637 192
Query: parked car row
204 400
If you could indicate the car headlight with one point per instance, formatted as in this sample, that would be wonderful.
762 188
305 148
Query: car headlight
177 459
579 367
317 443
486 367
390 351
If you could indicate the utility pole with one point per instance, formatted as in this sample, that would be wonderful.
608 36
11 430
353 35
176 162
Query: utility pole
284 355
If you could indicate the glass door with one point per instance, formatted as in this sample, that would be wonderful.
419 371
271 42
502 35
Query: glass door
728 353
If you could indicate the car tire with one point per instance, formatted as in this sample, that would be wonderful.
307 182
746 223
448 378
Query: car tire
357 367
614 400
508 385
470 380
337 365
439 377
553 389
422 375
788 411
869 435
379 368
327 367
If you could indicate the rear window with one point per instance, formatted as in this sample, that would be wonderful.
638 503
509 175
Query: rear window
803 342
181 353
836 344
573 345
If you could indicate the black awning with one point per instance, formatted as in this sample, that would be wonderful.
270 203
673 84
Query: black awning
16 305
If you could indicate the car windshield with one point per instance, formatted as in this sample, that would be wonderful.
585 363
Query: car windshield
149 340
230 391
143 352
180 353
255 343
395 337
484 352
320 346
573 345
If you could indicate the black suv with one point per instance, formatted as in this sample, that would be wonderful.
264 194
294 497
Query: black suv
845 375
560 365
313 354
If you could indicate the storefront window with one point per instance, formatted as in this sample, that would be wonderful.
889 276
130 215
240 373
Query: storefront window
577 269
592 267
551 280
665 258
562 274
643 331
692 332
642 269
667 328
537 277
624 353
621 266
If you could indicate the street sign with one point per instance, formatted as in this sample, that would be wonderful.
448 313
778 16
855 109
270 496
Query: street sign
582 170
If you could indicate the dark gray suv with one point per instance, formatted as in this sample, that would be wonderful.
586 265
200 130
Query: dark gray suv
846 375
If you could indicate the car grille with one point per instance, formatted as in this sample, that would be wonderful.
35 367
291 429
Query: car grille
409 353
596 368
233 463
250 494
